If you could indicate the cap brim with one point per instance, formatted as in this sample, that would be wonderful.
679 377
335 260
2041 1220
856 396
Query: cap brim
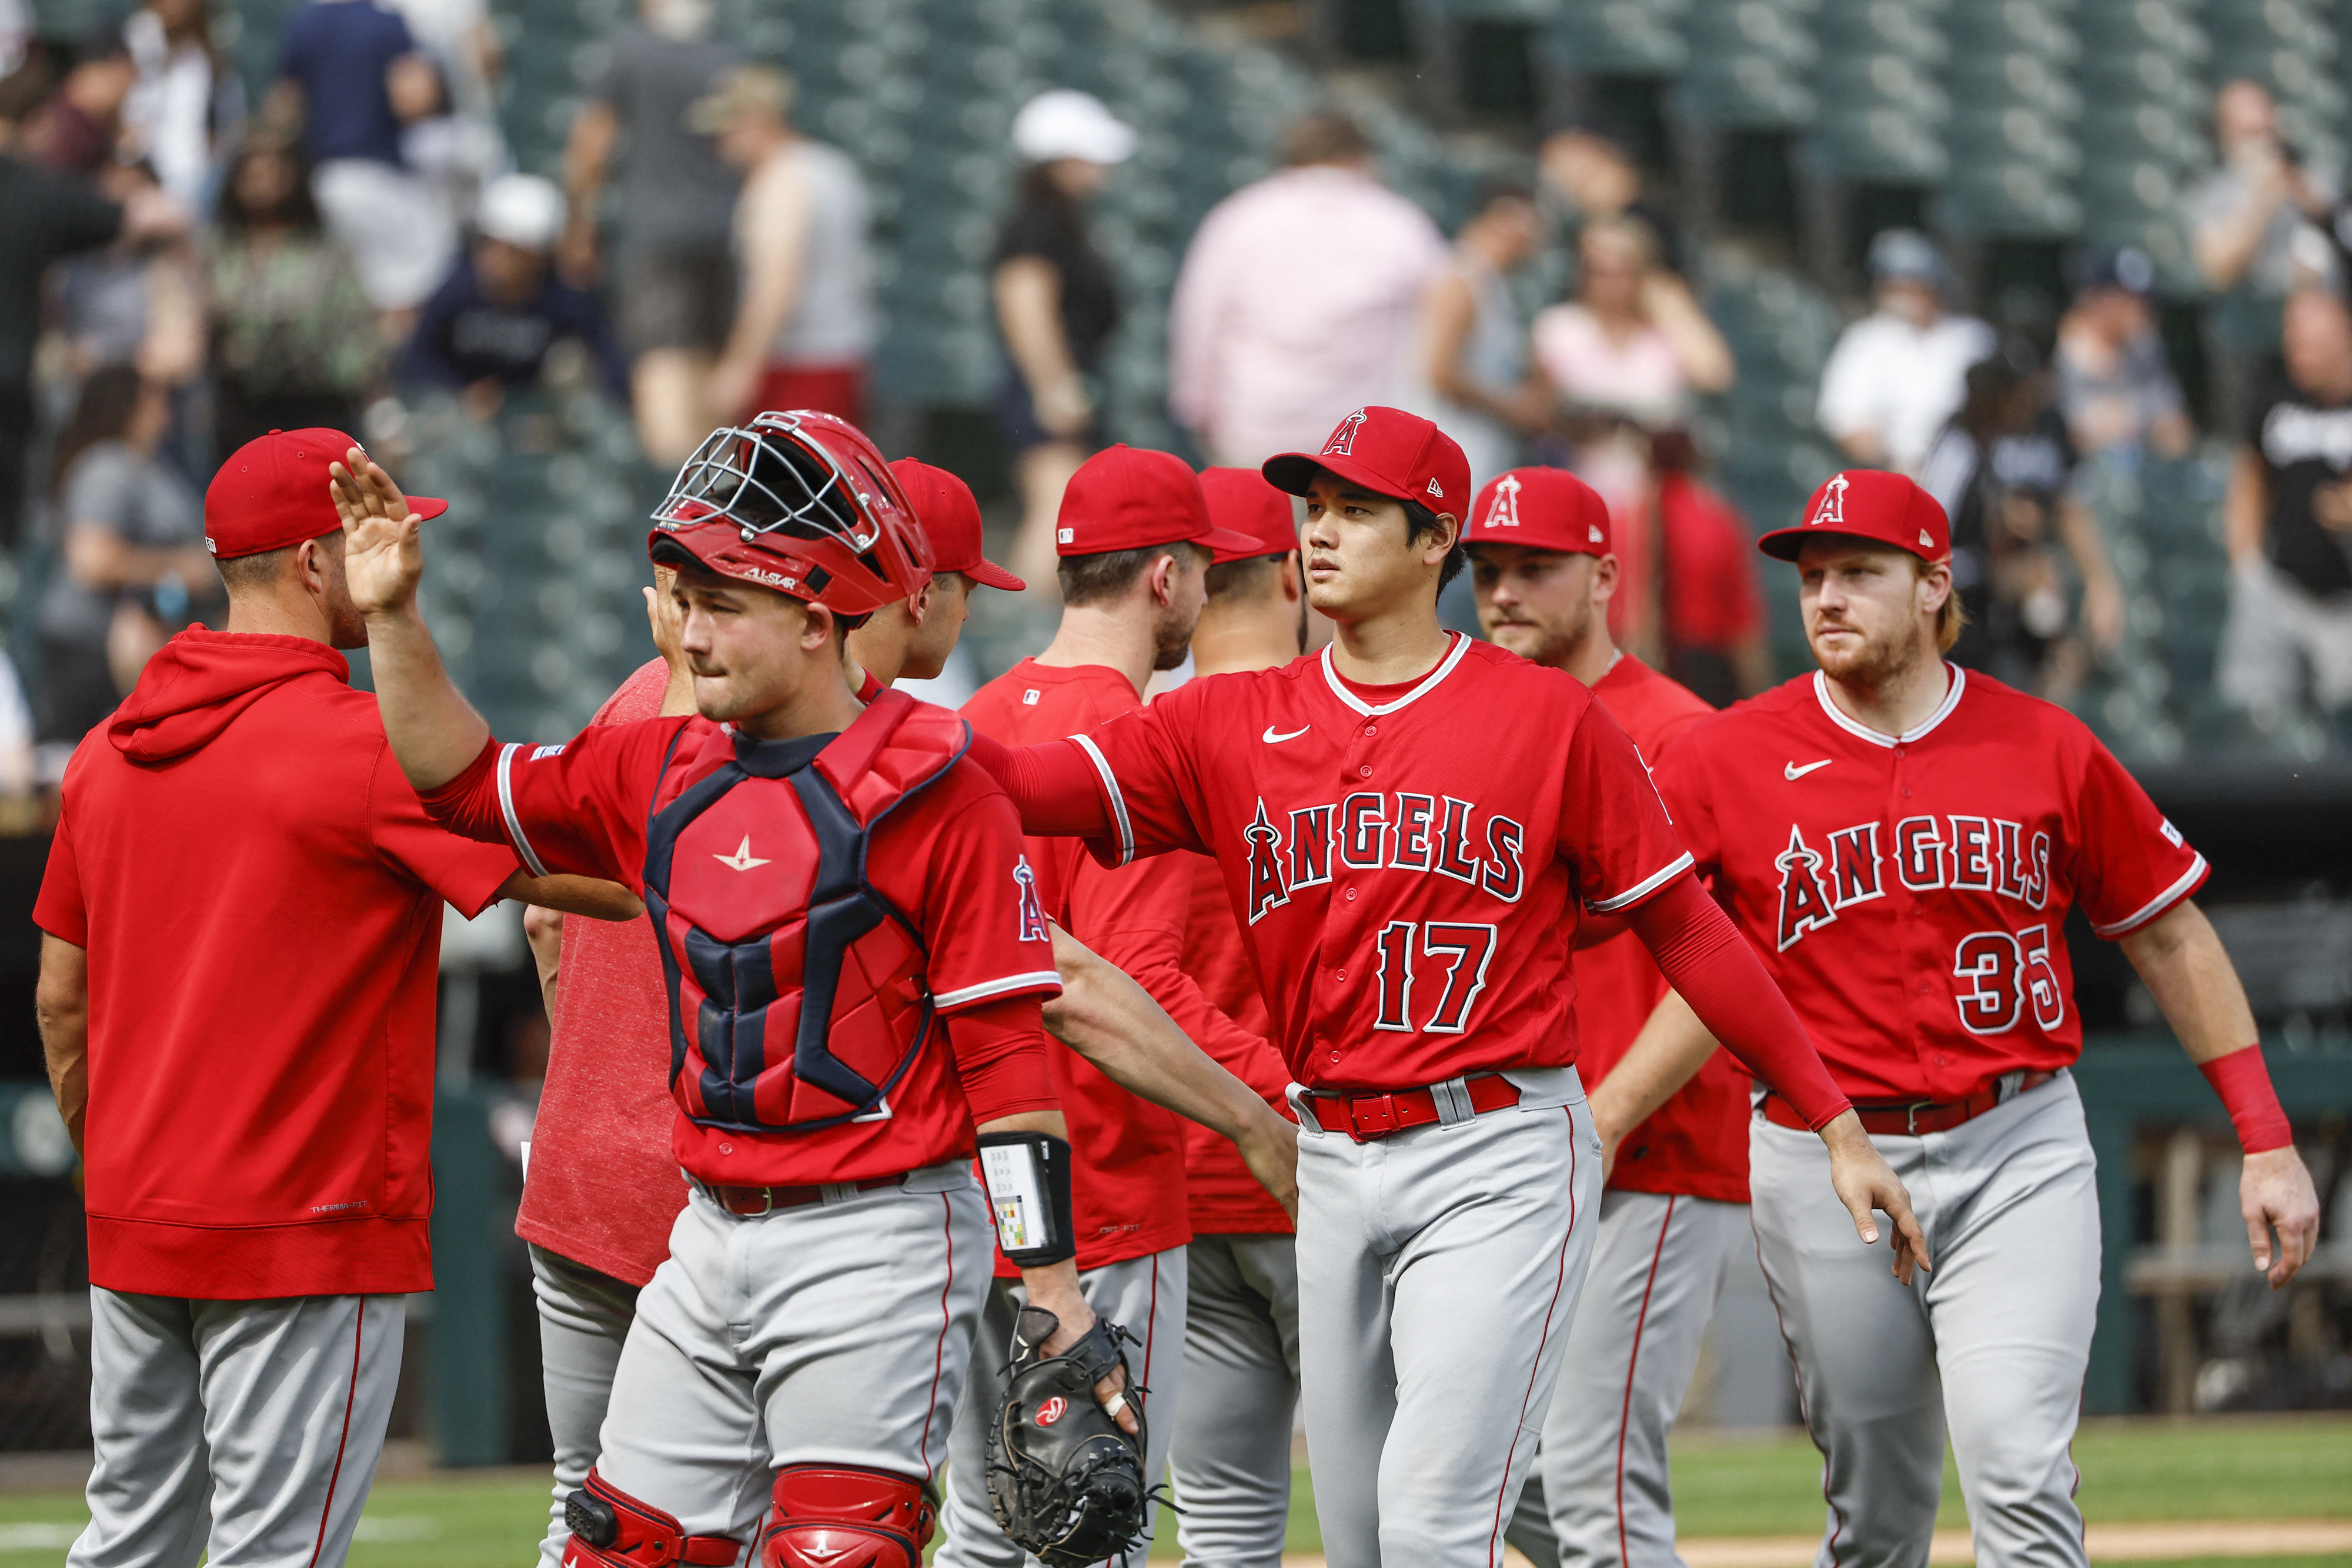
1228 544
1784 544
988 574
424 508
1295 471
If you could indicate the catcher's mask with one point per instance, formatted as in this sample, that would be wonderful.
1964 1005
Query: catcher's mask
800 502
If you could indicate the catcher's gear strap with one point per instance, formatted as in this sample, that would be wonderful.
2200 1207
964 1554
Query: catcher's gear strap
610 1529
1064 1480
1028 1179
843 1516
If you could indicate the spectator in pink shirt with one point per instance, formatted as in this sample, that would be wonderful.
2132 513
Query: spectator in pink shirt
1297 298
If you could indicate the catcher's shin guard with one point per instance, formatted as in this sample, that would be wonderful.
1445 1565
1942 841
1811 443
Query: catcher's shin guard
610 1529
843 1516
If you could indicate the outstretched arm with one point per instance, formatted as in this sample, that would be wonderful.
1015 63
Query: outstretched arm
1107 1018
1054 786
435 732
1668 1052
2187 971
1727 990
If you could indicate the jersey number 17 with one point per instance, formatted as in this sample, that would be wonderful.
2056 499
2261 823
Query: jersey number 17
1458 952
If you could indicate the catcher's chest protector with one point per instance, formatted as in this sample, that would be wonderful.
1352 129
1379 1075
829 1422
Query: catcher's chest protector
798 994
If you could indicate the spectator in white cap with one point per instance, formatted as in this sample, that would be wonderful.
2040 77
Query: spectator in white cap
804 323
1898 373
1056 305
491 325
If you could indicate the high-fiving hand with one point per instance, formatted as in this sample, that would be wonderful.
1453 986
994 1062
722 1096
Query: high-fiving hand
384 550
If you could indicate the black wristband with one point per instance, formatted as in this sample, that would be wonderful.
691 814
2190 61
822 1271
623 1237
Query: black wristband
1027 1176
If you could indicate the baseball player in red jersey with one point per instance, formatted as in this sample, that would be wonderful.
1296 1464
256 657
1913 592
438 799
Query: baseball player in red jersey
1676 1196
1408 824
910 639
604 1188
855 983
1901 840
1134 538
1230 1461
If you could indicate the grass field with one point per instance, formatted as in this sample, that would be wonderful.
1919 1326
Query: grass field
2132 1472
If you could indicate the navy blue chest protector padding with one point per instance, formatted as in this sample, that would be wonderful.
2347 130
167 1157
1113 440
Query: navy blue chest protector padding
736 1084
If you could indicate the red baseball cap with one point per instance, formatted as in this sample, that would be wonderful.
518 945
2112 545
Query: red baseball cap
1869 504
1542 509
1125 498
274 491
1389 453
1242 502
950 520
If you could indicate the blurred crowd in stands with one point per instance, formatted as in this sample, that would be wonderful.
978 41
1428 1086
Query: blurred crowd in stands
181 270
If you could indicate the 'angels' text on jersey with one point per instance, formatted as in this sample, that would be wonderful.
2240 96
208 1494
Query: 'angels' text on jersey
1371 830
1981 854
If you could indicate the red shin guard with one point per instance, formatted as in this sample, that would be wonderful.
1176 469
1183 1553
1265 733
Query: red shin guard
840 1516
610 1529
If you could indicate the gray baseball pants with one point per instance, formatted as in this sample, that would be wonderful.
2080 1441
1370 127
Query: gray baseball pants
583 1316
1146 1295
1230 1457
245 1431
1438 1273
1991 1344
1601 1492
836 1332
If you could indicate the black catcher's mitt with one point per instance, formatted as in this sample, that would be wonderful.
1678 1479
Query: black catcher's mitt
1066 1481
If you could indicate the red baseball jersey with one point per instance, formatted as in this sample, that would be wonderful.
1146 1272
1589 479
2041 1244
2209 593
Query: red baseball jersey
1225 1199
1126 1154
949 858
260 896
1696 1143
603 1188
1407 863
1908 892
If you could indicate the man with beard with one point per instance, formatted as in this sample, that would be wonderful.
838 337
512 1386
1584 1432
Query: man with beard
1675 1199
1900 839
1135 541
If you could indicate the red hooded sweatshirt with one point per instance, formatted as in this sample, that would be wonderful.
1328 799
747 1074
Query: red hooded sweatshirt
260 893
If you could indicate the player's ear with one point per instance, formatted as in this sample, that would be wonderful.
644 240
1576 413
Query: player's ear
1605 574
1294 580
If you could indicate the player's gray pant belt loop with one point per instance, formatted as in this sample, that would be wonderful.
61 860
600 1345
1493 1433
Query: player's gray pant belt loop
1453 1100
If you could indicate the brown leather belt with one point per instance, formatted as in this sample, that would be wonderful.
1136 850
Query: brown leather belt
1910 1119
754 1201
1371 1115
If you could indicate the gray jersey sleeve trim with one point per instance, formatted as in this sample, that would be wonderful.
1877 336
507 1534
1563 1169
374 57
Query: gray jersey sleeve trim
1646 886
506 808
1117 801
1036 979
2154 906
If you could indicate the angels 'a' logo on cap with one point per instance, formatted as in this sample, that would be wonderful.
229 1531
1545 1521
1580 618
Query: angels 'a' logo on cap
1832 507
1503 512
1343 436
1436 490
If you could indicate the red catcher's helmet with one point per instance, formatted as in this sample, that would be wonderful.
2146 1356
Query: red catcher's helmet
800 502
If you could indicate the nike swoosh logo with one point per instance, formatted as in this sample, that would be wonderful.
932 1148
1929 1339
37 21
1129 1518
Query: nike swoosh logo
1271 738
1792 772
